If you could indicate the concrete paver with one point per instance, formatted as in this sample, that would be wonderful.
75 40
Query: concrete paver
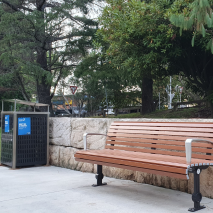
58 190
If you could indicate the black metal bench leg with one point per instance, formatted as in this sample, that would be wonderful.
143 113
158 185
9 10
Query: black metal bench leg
99 176
196 196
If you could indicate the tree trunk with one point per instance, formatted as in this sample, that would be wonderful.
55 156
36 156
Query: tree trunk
43 87
116 112
211 107
147 96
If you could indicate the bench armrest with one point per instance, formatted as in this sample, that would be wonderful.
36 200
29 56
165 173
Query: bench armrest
188 147
85 138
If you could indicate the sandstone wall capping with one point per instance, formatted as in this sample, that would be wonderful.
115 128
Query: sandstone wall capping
66 138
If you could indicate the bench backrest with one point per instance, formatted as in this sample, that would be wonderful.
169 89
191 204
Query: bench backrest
161 138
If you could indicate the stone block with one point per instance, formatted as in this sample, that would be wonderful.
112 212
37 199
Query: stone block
206 183
60 131
118 173
64 157
89 125
54 155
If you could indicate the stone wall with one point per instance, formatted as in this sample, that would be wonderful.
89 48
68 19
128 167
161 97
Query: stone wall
66 138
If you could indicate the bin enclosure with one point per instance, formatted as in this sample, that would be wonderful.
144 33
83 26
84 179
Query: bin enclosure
25 136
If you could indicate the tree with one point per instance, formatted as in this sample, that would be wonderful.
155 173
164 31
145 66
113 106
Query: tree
44 40
196 16
92 91
8 90
112 86
140 43
80 99
195 21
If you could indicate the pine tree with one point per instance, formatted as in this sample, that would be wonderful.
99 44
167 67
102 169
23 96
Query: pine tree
196 16
195 19
44 39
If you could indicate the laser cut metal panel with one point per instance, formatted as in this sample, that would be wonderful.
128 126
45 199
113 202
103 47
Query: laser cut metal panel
32 149
7 142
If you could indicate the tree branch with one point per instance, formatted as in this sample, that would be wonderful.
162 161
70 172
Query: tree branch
76 34
52 5
40 5
13 7
24 93
10 5
56 83
63 66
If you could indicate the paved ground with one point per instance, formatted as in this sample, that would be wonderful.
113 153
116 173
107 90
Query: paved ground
57 190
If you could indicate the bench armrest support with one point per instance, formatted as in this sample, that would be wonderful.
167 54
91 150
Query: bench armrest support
188 147
85 138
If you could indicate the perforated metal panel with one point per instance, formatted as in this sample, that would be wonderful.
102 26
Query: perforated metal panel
32 149
7 142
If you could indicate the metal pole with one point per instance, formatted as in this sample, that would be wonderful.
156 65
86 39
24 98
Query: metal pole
2 106
47 164
91 106
106 100
170 93
72 105
15 106
65 104
159 100
1 130
14 139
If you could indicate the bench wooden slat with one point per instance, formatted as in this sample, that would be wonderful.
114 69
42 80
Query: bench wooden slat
157 128
147 136
134 159
180 148
156 172
160 124
188 134
134 164
164 152
110 140
145 157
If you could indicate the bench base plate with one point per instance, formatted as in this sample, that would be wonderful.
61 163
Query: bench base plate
94 185
196 209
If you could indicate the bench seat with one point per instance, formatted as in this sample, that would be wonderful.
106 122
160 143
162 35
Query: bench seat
172 166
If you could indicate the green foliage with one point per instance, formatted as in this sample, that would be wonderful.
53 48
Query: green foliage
210 97
96 69
196 16
12 93
137 34
193 112
142 41
194 19
43 41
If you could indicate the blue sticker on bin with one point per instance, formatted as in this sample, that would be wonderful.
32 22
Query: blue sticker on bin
24 126
7 123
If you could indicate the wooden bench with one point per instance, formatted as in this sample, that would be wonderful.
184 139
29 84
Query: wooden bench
169 149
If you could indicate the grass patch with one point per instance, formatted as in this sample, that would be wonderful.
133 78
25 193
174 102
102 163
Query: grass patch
192 112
